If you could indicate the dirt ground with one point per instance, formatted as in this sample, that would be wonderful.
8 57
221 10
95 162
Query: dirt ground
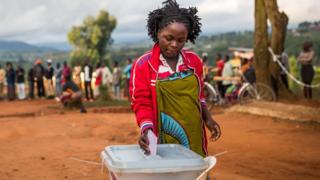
41 142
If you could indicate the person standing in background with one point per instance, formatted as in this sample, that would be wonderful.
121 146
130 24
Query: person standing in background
87 70
307 72
98 81
38 75
58 76
285 62
66 71
116 80
236 62
205 66
11 79
106 75
219 69
77 75
49 82
127 71
227 74
20 83
226 58
2 79
31 83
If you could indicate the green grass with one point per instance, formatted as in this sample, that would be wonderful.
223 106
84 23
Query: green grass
296 88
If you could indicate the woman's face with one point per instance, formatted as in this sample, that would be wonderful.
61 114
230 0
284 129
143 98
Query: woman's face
172 39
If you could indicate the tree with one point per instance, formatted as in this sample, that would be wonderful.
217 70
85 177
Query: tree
304 25
268 72
92 38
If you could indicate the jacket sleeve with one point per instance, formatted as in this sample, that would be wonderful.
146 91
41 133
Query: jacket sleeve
141 96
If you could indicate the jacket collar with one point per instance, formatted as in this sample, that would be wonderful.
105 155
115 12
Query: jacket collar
154 61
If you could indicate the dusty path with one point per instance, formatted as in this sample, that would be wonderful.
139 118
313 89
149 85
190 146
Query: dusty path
43 146
281 111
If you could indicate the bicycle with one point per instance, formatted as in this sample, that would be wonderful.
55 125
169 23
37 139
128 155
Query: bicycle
211 95
244 94
255 92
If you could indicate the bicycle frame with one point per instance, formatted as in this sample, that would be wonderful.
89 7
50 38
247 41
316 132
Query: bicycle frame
213 90
244 86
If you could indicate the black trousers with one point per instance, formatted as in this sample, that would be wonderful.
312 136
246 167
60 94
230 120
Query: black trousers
284 79
40 88
221 88
11 92
87 88
31 89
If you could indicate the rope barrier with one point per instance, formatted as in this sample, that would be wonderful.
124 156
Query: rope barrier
275 59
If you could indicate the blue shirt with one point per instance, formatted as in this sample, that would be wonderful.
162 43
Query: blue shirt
127 70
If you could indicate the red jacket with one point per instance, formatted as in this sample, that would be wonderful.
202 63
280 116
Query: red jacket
142 85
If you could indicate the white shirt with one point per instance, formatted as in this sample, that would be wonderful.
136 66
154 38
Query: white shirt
164 67
106 76
86 74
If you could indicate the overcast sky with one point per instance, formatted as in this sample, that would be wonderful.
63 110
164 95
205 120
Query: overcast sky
39 21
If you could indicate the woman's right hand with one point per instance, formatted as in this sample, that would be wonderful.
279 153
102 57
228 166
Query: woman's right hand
144 143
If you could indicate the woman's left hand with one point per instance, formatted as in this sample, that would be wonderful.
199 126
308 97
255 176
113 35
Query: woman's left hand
214 128
211 124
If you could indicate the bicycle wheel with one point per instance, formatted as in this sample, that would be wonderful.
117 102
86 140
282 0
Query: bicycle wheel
256 92
247 95
211 95
265 93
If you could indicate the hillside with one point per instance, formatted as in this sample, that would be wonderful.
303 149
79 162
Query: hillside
212 44
220 43
17 46
23 52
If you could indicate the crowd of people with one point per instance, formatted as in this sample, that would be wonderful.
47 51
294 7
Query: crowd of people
230 72
49 81
46 81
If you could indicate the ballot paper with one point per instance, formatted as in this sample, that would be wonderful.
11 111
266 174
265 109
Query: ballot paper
153 141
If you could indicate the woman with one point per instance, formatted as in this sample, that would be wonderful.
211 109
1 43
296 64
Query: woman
167 86
98 72
307 72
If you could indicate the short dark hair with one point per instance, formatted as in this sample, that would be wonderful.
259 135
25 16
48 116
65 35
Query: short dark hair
171 12
98 65
219 56
244 61
226 58
307 46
